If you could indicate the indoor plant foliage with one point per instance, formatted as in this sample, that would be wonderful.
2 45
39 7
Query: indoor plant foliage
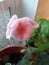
24 29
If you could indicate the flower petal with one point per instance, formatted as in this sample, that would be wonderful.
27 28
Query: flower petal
13 18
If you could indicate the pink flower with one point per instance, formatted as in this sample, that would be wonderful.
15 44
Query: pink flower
21 28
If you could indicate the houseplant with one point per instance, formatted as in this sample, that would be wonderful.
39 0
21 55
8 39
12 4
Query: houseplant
19 29
40 55
37 34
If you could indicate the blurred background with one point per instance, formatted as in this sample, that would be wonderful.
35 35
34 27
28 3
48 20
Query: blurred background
29 8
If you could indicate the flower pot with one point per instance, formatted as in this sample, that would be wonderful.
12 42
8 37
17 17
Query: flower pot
13 52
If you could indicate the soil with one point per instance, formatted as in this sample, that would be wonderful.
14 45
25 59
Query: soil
13 59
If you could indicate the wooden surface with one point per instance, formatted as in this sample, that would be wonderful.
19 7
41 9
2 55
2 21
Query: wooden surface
43 9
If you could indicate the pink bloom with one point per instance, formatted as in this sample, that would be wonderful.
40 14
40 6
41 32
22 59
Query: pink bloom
9 26
21 28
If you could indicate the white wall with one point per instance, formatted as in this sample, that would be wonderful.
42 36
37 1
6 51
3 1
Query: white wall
29 8
22 7
18 5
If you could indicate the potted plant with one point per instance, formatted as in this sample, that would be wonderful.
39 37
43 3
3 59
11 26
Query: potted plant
24 29
39 53
21 30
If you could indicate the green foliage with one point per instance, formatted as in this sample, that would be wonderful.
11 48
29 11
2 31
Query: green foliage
32 39
30 52
26 59
40 38
26 62
43 59
8 64
44 30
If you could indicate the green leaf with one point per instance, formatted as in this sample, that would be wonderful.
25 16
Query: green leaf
44 27
43 59
43 46
26 62
23 50
29 53
8 64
